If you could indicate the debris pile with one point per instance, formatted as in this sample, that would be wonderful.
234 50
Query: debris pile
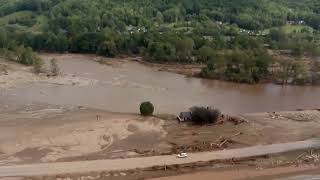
301 116
308 157
295 116
236 120
220 143
275 115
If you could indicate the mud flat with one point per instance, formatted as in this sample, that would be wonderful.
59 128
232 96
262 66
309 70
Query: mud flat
49 133
15 75
39 133
191 70
259 129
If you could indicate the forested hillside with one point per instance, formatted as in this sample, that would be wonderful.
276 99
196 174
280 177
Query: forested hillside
194 31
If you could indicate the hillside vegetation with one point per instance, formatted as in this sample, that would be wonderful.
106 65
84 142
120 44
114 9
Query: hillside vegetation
202 31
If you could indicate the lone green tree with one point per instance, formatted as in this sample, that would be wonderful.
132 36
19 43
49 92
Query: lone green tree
146 108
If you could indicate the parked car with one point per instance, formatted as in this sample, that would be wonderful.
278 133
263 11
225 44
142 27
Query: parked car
182 155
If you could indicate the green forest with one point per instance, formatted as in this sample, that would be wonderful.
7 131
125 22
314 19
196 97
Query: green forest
231 36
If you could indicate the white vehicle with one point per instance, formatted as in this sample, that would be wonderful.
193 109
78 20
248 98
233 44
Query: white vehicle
182 155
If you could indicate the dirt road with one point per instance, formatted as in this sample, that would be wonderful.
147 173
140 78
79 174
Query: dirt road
145 162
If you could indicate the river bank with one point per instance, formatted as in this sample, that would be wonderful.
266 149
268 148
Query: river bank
16 74
46 133
309 69
50 133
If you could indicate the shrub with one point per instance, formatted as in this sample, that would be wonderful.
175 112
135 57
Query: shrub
146 108
26 56
54 68
37 64
202 115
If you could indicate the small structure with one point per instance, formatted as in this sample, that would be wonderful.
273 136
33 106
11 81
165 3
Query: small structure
184 117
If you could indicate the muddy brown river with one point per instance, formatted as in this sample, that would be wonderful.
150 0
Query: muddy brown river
123 88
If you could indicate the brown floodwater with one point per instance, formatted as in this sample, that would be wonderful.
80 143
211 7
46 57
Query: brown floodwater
123 88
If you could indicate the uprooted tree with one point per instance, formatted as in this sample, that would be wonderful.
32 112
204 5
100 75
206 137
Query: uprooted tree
202 115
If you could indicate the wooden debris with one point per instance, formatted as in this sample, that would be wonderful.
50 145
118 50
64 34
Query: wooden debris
301 155
236 120
308 157
233 119
221 142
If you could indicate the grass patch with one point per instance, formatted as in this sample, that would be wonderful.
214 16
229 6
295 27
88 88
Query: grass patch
295 28
290 29
7 6
14 17
41 21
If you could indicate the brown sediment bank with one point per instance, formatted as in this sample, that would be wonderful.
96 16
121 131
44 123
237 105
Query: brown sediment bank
17 75
191 70
47 133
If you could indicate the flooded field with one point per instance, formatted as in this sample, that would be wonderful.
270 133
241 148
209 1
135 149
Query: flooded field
122 88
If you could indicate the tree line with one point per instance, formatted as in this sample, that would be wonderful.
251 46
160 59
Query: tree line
227 35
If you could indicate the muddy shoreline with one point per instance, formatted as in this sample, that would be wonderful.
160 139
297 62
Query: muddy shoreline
76 120
189 70
49 133
194 70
